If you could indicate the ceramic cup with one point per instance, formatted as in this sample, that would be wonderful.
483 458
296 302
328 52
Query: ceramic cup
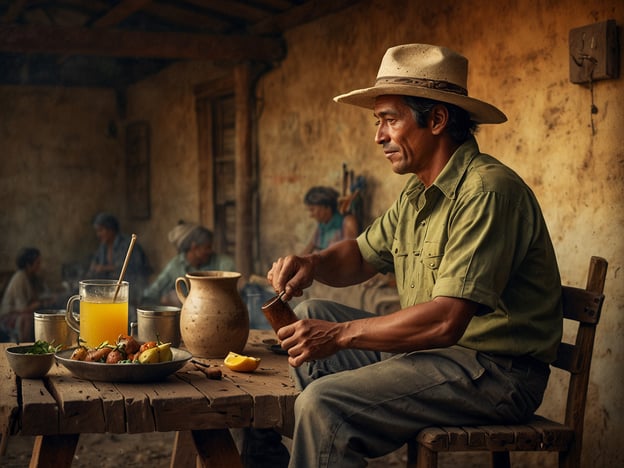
157 323
278 313
50 326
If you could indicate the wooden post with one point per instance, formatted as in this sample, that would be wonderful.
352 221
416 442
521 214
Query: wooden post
244 169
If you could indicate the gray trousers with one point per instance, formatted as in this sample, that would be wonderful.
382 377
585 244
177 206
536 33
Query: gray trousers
362 404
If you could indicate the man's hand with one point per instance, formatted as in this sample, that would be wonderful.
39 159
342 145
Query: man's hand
292 275
307 340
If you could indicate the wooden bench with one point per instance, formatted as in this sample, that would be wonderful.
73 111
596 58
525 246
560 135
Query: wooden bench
582 306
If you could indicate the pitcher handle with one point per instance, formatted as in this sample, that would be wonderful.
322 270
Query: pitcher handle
69 316
178 288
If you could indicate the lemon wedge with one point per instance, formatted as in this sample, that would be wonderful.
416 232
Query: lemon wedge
240 363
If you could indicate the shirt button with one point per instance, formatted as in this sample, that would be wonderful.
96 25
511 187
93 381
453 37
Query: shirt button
412 285
422 223
432 264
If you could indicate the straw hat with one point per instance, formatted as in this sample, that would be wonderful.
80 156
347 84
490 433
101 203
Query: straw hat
426 71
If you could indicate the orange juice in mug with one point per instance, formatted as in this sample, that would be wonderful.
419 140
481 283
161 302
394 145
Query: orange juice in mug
103 311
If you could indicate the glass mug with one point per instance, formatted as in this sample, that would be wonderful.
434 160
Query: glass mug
103 317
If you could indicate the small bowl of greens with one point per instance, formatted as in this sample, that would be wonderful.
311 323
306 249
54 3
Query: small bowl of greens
31 361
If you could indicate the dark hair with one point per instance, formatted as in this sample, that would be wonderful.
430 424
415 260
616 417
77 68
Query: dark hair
27 256
460 126
107 221
323 196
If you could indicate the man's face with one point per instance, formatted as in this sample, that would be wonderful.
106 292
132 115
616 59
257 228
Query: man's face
406 145
104 235
320 213
202 253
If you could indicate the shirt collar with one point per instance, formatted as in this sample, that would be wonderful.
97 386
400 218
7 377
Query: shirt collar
449 179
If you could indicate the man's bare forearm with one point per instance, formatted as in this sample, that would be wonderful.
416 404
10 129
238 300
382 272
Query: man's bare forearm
341 264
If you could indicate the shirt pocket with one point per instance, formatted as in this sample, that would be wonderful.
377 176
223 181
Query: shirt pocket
406 264
432 255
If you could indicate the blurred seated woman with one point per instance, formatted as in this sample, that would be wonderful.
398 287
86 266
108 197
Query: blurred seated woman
322 204
195 253
23 296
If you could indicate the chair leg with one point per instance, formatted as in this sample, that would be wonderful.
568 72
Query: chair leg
426 458
419 456
500 460
412 447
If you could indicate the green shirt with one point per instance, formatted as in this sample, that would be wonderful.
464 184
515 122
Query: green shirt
178 266
476 233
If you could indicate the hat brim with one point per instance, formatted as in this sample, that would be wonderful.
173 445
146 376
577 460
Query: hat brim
480 112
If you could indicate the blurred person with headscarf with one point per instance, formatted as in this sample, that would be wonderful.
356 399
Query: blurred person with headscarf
195 253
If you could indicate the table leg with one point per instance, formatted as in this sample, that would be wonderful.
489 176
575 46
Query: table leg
184 452
55 451
216 448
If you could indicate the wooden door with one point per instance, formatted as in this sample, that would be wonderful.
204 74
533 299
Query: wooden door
227 178
215 116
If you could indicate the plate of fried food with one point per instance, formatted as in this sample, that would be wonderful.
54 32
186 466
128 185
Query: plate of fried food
125 361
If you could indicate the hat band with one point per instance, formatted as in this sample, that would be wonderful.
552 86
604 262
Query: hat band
423 83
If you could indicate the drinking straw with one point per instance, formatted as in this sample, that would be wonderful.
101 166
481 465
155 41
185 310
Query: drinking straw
125 265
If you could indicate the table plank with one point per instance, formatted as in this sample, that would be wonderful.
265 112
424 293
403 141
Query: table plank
9 406
173 404
39 408
225 404
114 407
137 409
270 386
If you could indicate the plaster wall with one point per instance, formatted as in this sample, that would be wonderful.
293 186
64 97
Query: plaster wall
518 53
60 163
166 101
62 160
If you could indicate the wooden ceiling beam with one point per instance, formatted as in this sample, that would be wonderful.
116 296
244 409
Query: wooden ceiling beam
172 13
14 10
117 43
233 9
120 12
301 14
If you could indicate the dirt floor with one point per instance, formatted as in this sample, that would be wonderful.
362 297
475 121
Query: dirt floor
128 450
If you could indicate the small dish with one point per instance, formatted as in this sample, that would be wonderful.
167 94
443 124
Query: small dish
277 349
29 366
273 345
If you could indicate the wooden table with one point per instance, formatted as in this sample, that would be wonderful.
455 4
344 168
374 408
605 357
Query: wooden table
60 407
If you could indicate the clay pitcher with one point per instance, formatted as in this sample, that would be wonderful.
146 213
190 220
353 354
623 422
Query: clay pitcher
214 319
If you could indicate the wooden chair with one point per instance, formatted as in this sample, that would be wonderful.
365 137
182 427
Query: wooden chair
540 434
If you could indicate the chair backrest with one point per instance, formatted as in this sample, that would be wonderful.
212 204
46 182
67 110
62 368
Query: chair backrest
582 306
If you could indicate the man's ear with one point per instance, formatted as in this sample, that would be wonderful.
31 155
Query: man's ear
438 118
